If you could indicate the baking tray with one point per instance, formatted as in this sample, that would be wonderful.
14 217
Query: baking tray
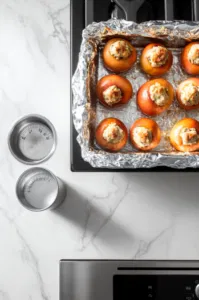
167 32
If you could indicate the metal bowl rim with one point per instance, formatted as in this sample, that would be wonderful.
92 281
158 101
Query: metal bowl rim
27 171
50 125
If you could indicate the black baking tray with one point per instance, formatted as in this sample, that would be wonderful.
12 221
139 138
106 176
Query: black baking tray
81 15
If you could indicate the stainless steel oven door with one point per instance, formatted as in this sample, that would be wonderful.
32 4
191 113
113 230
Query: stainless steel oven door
129 280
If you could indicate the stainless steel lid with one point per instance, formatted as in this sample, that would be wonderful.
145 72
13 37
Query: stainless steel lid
32 139
39 189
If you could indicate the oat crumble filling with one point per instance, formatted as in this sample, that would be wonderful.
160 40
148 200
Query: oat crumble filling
189 136
121 50
158 56
142 136
193 54
190 94
112 95
159 94
113 133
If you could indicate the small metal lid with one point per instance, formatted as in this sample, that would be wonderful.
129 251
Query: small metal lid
32 139
38 189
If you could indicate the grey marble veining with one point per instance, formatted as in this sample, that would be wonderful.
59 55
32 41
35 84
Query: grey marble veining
123 216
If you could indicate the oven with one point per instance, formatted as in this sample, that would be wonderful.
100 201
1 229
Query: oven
129 280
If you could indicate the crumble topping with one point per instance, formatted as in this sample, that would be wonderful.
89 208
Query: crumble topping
121 50
158 56
193 54
112 95
189 136
113 133
159 94
142 136
190 94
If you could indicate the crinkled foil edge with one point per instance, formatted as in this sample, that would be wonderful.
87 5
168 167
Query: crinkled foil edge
177 32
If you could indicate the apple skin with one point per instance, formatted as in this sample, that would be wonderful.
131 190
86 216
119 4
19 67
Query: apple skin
193 80
121 65
147 67
103 143
175 138
146 104
189 68
121 82
151 125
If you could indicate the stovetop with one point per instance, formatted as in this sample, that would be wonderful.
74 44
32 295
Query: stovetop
128 280
84 12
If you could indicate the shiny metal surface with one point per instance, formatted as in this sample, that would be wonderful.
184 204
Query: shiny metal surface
129 8
197 291
169 10
38 189
93 280
32 139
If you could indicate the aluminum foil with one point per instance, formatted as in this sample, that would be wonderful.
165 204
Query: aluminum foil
87 115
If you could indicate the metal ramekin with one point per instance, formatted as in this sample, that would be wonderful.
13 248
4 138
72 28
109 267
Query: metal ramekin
15 136
37 183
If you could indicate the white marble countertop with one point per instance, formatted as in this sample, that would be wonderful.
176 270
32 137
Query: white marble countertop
123 216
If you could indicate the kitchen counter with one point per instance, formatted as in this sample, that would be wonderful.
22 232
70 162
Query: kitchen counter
123 216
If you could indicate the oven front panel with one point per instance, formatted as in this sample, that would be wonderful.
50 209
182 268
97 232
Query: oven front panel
140 280
154 287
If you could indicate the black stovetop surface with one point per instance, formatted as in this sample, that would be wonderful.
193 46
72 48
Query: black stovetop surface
84 12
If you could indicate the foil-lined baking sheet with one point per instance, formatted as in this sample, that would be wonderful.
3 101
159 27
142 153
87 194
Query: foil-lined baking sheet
88 112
